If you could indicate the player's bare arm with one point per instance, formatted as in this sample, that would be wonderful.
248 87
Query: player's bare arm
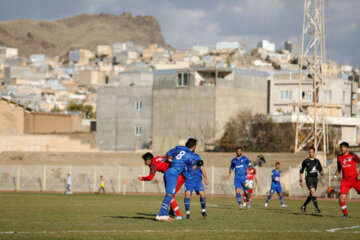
300 180
204 174
338 170
229 175
335 176
357 160
322 174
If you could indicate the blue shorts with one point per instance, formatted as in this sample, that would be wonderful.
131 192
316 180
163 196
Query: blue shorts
194 184
240 183
171 179
275 188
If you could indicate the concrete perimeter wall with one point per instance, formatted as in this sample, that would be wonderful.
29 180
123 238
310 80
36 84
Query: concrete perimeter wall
123 179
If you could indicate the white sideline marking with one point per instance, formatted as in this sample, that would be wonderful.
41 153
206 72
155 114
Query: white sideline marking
212 205
345 228
143 231
186 230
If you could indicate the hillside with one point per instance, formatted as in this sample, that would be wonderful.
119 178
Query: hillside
81 31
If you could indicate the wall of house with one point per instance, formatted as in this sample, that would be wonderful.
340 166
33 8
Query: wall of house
247 90
340 93
37 123
11 118
117 118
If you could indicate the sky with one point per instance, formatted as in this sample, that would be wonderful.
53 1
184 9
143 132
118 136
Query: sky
186 23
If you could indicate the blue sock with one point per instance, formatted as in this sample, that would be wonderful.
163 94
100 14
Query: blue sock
268 198
281 200
238 197
187 204
165 206
203 204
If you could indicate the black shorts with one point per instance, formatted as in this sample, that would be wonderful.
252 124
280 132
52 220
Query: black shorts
311 182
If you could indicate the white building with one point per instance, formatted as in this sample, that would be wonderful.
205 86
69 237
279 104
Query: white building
267 45
201 50
104 50
11 52
227 45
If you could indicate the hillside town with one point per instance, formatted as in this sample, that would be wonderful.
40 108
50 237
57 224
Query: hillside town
126 97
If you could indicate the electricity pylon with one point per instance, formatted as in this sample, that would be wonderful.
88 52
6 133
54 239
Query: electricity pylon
310 124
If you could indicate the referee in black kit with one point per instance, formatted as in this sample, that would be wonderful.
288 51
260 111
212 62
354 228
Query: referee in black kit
311 165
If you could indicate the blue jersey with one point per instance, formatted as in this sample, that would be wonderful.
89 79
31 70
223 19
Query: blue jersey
241 166
275 176
182 159
190 173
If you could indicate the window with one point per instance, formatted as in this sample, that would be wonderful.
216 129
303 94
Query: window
183 79
138 130
138 105
327 95
286 95
307 95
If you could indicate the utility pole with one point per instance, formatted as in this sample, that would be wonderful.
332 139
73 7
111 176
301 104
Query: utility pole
310 124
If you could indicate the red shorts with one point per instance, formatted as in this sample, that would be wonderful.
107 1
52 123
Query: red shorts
250 191
180 182
347 184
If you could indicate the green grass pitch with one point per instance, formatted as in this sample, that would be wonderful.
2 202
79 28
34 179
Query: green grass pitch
90 216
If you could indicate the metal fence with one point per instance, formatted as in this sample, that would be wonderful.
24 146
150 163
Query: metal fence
123 179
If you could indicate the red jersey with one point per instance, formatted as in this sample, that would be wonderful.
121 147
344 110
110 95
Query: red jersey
158 164
347 163
251 174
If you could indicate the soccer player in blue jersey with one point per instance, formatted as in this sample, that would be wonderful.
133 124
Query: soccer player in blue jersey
182 159
193 182
275 185
240 164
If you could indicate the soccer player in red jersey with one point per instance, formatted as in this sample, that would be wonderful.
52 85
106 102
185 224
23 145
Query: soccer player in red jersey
251 175
161 164
346 162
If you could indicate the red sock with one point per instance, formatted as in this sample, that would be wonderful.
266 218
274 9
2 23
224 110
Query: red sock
343 207
175 207
250 197
244 197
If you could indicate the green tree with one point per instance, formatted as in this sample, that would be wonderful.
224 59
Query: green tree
74 107
257 133
86 110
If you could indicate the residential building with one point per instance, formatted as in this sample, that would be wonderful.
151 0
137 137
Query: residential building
227 46
201 50
180 103
293 48
337 98
80 56
124 117
267 45
103 51
52 123
12 117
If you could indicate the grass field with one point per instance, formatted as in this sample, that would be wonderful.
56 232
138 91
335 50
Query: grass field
85 216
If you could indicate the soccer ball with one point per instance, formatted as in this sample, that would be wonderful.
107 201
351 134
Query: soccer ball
249 184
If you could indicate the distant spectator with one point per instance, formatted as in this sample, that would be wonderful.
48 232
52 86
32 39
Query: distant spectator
102 185
260 160
68 185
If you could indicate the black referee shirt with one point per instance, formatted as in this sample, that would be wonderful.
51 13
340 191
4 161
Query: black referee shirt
311 167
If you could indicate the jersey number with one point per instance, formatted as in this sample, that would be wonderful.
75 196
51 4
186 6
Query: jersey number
180 155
